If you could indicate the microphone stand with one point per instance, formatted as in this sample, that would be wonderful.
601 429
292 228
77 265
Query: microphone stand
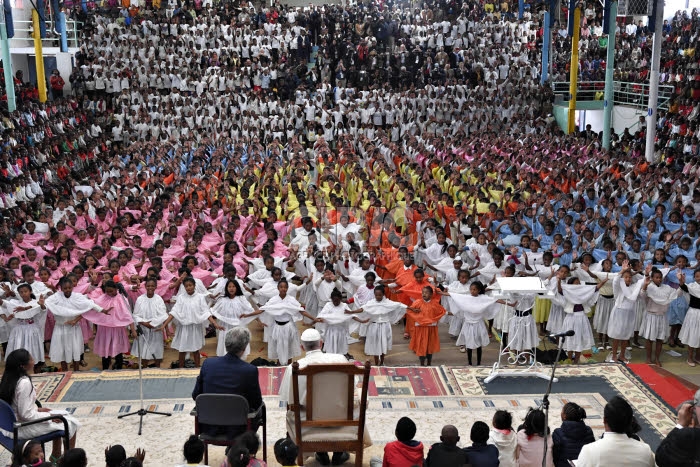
142 412
545 402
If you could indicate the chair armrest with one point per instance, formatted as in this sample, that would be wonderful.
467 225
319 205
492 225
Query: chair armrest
42 420
259 414
66 433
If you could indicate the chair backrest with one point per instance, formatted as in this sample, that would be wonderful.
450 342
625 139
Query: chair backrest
7 416
222 409
7 422
330 394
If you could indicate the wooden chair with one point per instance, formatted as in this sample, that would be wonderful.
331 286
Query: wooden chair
328 421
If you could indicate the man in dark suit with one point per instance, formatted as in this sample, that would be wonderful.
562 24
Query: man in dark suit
230 375
681 448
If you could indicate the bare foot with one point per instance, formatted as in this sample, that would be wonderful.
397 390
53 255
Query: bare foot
649 362
658 363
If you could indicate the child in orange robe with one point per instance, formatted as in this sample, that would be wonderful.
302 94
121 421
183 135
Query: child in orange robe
426 315
411 290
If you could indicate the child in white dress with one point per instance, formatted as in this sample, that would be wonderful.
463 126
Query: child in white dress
335 318
460 286
21 317
280 314
577 300
228 310
382 313
622 317
67 338
150 313
472 310
191 312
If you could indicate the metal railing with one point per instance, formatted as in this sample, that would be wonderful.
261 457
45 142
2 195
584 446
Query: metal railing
625 93
24 31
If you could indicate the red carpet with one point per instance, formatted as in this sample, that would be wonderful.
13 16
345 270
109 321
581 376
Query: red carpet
386 381
669 387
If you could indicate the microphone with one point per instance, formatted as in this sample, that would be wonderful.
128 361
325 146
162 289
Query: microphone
568 333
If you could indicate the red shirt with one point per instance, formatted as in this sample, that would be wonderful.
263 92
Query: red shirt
398 454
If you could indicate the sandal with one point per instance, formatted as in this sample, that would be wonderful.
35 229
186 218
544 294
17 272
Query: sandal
83 363
693 364
624 362
463 349
406 336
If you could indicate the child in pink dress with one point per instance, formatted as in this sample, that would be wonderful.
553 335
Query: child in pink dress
111 339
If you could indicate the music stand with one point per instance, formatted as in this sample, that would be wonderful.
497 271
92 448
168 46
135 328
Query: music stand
509 286
142 412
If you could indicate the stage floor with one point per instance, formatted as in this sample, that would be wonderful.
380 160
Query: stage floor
432 396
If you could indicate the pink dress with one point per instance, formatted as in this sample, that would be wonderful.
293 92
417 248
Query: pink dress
202 274
111 338
83 287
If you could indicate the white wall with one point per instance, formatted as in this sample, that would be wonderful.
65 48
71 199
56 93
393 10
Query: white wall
625 117
622 117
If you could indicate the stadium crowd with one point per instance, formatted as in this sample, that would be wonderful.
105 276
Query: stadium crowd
234 149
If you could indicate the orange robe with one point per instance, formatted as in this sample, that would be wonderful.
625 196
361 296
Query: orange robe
409 294
425 340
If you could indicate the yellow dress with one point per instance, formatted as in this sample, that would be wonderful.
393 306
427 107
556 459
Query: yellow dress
541 309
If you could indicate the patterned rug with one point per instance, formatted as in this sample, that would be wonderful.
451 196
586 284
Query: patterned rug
176 384
432 397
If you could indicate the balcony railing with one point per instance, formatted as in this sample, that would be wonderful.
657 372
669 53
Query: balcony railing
625 93
24 34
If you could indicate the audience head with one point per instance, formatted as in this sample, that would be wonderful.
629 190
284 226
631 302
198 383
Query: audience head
251 441
572 412
115 455
193 450
238 456
405 429
237 340
534 423
503 420
311 340
76 457
480 433
27 453
19 364
449 435
132 462
618 417
286 451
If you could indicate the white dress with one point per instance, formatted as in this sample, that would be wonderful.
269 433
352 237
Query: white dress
228 313
578 300
522 330
67 340
472 311
655 322
455 321
280 314
690 332
382 315
24 329
336 328
604 306
149 310
25 408
622 317
190 312
555 322
362 296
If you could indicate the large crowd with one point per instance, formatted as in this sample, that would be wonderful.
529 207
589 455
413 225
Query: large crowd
352 167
